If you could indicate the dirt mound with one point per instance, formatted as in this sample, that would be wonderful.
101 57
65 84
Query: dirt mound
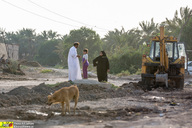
42 89
95 92
61 85
38 94
25 96
31 63
20 91
90 87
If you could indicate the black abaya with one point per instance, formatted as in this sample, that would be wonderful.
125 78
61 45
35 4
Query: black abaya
102 64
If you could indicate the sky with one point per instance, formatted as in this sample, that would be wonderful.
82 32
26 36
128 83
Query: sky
100 15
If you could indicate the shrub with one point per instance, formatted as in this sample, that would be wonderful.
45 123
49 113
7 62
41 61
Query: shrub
124 73
130 61
58 66
53 85
138 72
46 70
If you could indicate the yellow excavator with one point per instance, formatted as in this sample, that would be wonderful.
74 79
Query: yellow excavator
165 65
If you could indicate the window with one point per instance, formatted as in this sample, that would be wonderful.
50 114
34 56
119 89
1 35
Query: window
181 49
151 51
190 64
176 52
157 49
169 49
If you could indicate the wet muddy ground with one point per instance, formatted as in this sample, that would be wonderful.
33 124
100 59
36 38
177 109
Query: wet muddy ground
98 106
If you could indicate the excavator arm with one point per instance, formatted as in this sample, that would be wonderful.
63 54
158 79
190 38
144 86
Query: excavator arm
164 61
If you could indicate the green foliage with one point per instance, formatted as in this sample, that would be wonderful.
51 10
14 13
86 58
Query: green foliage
53 85
46 71
124 73
87 39
114 86
138 72
186 36
13 66
58 66
124 48
125 59
46 54
23 67
121 38
178 23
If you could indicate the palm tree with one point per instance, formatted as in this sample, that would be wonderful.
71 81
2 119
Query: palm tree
149 29
52 35
27 42
177 24
44 34
118 39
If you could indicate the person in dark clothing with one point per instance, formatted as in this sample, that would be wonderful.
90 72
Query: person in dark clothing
102 64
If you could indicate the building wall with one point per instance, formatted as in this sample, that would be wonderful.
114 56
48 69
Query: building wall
10 50
13 51
3 50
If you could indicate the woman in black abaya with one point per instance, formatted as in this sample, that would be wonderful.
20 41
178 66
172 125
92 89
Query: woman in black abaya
102 64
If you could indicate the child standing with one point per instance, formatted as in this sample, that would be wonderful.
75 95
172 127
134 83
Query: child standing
85 63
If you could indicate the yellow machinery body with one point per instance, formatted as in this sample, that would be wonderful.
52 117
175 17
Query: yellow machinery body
165 66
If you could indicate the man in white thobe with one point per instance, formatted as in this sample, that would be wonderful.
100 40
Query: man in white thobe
73 63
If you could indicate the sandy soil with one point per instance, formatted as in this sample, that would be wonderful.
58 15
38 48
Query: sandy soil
22 99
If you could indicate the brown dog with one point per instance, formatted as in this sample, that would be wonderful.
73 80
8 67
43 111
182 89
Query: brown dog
64 95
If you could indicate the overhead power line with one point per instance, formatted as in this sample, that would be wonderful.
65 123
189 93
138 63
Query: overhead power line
66 17
57 13
40 15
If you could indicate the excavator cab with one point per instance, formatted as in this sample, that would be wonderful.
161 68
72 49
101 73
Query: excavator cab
171 50
165 65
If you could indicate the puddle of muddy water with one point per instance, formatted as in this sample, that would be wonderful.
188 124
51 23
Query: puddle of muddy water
102 112
36 112
45 114
154 98
57 113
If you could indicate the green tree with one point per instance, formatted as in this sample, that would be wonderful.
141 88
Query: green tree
148 30
187 38
125 59
26 41
52 35
87 39
177 24
46 53
121 38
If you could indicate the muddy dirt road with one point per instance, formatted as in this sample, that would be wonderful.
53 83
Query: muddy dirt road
23 99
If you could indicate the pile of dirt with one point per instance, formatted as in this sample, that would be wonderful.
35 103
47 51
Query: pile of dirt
38 94
20 91
31 63
42 89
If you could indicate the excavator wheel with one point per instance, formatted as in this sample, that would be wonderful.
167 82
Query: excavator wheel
147 84
179 83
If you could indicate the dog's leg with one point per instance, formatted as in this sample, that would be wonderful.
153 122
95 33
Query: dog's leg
69 107
75 106
76 100
66 109
63 108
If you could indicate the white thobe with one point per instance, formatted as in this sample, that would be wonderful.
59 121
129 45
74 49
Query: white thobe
73 65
